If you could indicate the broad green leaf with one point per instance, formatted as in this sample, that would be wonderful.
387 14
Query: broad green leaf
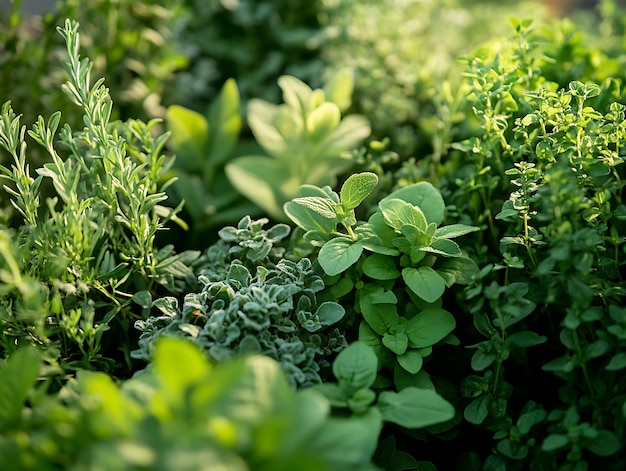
445 247
398 213
554 442
296 93
225 122
381 317
605 443
425 196
339 254
322 121
526 339
352 130
396 342
116 413
261 116
482 360
424 282
380 267
339 88
143 299
18 374
264 181
348 442
414 408
356 366
190 137
170 353
411 361
618 362
429 327
458 270
310 412
356 188
403 379
477 411
323 206
330 313
306 218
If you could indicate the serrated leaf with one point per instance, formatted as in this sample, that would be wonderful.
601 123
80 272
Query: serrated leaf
339 254
356 188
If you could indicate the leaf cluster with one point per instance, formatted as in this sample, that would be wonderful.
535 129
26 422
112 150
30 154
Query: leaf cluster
250 305
236 416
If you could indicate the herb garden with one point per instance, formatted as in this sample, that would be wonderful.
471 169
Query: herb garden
331 235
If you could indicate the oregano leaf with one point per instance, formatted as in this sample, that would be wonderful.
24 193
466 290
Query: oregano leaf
424 282
356 188
339 254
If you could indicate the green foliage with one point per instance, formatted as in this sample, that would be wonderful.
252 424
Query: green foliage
542 172
305 138
235 416
251 305
356 369
92 244
392 269
252 41
204 144
133 50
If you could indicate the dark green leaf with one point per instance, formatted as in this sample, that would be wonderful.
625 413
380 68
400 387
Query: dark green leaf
424 282
414 408
339 254
429 327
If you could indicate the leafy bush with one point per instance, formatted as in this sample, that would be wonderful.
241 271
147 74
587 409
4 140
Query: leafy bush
236 416
252 304
542 173
92 246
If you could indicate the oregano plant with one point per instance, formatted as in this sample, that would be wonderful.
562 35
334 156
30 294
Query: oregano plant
393 268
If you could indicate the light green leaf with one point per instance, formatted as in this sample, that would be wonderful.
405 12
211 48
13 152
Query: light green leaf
264 181
398 213
356 188
397 342
348 442
356 366
330 313
424 282
190 137
425 196
339 88
380 316
380 267
261 117
170 353
352 130
454 230
18 374
323 206
224 122
429 327
411 361
306 218
339 254
414 408
322 121
296 93
554 442
445 247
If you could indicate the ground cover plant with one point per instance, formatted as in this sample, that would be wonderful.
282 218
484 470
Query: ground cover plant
461 308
